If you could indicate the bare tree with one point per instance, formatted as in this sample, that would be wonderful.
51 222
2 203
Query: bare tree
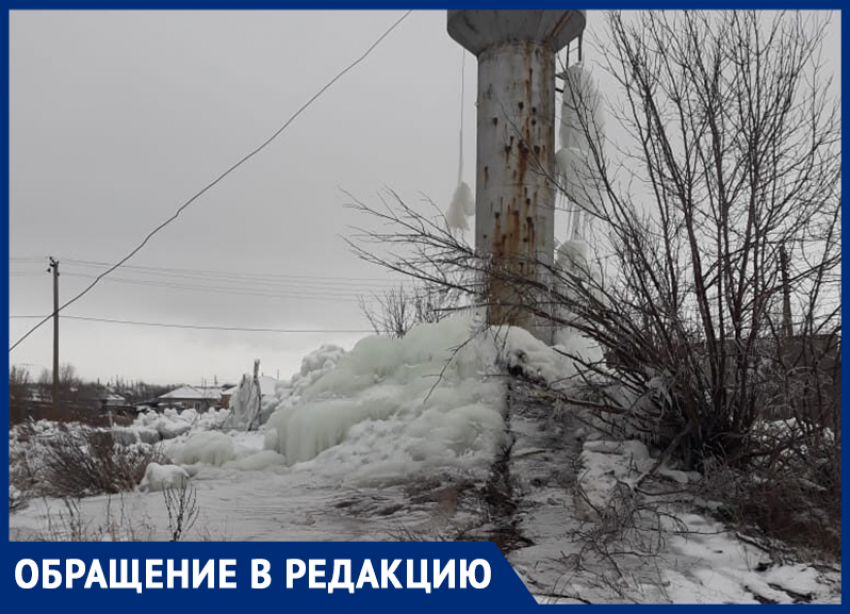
68 376
397 310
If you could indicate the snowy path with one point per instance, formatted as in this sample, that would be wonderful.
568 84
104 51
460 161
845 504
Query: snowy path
705 564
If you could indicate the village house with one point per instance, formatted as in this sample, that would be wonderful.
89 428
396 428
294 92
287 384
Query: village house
200 398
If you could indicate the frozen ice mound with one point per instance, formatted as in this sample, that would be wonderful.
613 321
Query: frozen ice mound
208 447
159 477
393 406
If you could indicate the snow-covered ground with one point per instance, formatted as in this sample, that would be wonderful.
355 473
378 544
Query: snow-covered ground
424 438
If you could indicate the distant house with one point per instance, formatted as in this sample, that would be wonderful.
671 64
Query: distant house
39 393
200 398
110 399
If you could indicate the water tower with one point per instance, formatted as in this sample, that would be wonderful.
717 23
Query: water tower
515 194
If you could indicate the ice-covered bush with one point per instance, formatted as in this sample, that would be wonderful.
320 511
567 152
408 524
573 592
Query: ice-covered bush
209 447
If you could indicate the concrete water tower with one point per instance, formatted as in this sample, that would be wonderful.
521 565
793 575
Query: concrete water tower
514 193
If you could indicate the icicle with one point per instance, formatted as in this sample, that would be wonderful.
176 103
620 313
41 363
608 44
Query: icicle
581 121
581 106
462 204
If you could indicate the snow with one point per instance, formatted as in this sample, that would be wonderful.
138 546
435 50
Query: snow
708 564
609 463
173 422
170 429
209 447
313 366
799 578
555 365
159 477
398 438
699 560
394 407
257 461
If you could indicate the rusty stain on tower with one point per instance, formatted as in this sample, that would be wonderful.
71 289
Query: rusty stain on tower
515 195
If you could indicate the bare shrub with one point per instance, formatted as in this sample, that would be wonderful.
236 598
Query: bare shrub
397 310
182 507
619 544
81 463
116 524
791 491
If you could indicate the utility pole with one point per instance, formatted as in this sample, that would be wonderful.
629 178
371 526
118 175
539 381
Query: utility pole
54 268
787 319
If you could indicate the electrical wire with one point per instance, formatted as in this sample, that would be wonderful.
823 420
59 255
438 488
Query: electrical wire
218 179
316 293
229 275
200 326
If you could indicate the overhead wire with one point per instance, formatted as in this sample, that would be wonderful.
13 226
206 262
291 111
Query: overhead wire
200 326
248 276
303 293
218 179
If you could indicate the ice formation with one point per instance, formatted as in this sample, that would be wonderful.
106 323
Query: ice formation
208 447
159 477
393 406
581 106
245 403
313 366
581 126
379 404
461 207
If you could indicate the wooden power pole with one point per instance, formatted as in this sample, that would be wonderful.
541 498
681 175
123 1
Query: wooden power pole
54 268
787 319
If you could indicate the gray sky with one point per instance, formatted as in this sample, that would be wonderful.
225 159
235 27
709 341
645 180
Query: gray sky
116 118
119 117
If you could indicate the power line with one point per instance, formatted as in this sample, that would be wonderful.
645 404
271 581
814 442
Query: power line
199 326
243 277
281 290
195 273
326 295
238 283
218 179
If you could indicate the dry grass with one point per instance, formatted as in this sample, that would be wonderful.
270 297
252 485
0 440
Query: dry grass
89 462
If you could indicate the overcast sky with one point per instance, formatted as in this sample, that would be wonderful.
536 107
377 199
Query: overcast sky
116 118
